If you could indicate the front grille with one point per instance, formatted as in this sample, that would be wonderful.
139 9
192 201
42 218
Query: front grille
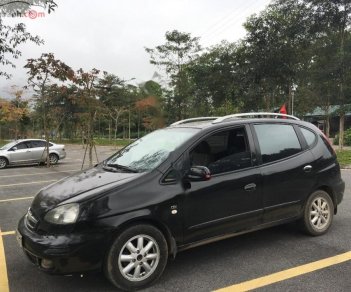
31 221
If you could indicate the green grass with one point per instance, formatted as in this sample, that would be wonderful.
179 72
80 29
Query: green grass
344 157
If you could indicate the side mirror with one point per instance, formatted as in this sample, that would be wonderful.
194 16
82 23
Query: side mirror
13 148
198 173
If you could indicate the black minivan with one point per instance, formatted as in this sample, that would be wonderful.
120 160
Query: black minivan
194 182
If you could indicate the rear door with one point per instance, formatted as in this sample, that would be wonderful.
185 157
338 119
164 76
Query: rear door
38 150
287 176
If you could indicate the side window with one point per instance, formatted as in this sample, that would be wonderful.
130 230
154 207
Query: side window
310 137
23 145
223 151
36 144
277 141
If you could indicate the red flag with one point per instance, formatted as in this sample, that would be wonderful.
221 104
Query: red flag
283 110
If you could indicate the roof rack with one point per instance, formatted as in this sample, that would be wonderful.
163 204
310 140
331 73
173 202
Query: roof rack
216 120
275 115
194 120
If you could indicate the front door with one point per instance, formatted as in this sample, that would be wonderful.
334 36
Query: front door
231 200
21 153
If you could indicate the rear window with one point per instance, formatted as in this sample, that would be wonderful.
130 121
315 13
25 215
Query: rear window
277 141
310 137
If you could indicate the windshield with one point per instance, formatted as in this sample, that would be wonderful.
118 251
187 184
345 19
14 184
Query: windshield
151 150
8 145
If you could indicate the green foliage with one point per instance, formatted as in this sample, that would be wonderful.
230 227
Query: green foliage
173 57
344 158
347 138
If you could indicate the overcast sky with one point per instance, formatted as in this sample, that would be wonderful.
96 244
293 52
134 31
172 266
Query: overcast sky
111 34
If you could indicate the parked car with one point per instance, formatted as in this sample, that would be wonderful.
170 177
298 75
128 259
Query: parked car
29 151
194 182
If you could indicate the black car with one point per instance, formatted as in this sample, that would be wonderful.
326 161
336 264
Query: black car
194 182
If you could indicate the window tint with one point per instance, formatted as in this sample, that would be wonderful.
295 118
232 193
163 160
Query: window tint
277 141
23 145
36 144
309 136
223 152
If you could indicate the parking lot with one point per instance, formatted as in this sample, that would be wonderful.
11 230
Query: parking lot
276 259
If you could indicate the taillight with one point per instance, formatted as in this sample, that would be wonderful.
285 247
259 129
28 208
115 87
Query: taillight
327 141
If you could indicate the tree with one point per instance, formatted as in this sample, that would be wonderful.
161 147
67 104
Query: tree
173 57
11 37
14 111
332 19
276 43
43 72
216 80
111 91
150 106
87 97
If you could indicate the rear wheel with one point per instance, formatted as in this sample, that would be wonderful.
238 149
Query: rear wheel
53 158
137 257
318 213
3 162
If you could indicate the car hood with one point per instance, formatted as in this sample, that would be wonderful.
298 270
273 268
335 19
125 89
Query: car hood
91 182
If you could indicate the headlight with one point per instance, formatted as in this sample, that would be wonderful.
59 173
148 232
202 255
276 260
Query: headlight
65 214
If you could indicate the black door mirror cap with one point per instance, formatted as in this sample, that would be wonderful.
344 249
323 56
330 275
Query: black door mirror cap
199 173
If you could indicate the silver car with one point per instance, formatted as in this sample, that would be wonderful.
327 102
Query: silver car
28 151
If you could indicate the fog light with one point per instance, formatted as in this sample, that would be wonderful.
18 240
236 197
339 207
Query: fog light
47 264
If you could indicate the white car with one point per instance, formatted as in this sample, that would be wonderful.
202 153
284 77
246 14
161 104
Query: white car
28 151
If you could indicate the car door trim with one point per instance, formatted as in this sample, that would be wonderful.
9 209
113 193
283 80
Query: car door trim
225 219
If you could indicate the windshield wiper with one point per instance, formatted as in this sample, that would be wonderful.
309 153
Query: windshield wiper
123 167
109 168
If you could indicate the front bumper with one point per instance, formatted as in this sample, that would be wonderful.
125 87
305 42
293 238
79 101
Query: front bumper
62 155
63 253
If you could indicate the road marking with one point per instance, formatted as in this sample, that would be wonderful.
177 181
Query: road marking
287 274
29 183
4 282
16 199
39 173
7 233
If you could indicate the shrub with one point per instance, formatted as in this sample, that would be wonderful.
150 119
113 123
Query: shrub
347 138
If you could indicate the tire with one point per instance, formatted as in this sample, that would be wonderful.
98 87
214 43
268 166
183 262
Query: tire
127 267
53 158
3 162
318 213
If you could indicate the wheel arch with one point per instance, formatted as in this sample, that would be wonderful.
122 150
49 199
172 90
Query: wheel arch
330 192
171 243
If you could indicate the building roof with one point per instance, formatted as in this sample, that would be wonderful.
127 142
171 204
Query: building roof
333 111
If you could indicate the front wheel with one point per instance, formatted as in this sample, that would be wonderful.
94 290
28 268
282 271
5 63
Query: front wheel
53 158
136 258
318 213
3 162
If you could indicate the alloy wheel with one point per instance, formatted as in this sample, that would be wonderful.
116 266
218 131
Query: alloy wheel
319 213
139 258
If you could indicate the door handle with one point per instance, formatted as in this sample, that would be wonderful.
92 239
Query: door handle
250 187
307 168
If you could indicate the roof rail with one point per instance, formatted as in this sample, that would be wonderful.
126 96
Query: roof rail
194 120
221 119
